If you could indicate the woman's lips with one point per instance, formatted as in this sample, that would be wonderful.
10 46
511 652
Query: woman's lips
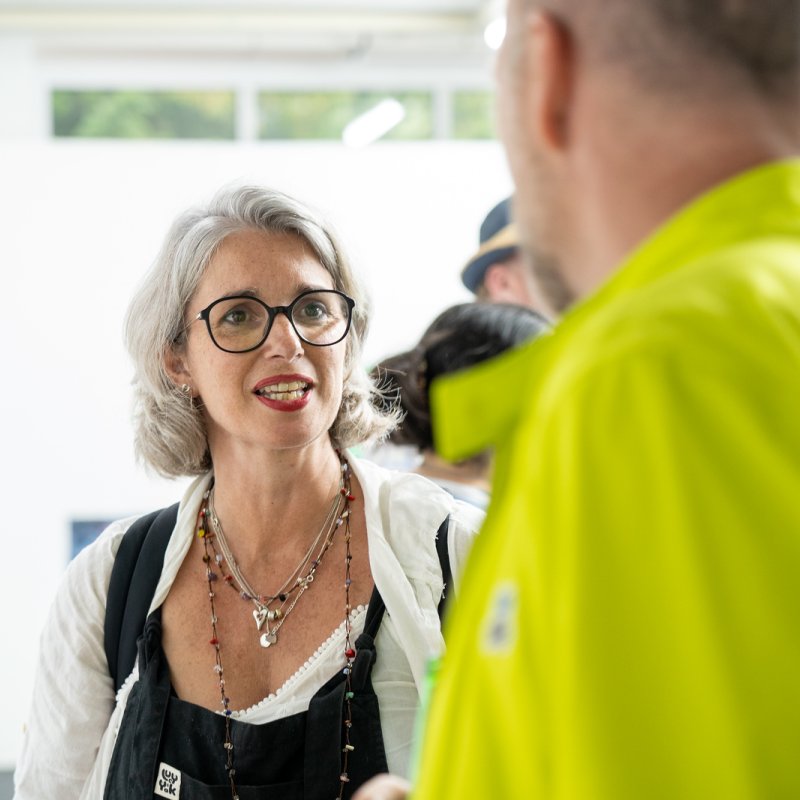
284 392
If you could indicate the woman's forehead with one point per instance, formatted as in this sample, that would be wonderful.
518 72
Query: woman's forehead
261 263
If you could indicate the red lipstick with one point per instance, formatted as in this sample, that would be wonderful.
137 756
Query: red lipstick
284 392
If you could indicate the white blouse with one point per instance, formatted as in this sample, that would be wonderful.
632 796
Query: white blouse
75 715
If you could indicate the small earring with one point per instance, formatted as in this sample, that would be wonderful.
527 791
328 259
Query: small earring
186 389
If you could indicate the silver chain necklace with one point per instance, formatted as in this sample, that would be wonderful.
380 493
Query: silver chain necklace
294 586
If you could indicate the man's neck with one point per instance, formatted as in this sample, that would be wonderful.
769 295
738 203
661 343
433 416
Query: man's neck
634 187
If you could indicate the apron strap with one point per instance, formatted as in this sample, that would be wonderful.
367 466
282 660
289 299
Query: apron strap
135 759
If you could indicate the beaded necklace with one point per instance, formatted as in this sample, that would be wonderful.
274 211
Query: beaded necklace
208 537
293 587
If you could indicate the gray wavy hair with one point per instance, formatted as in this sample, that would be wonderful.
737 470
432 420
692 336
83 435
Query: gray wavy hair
170 433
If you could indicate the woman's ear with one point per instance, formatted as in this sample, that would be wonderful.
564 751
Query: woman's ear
177 370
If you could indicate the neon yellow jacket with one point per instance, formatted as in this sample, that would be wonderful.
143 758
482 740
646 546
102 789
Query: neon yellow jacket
629 621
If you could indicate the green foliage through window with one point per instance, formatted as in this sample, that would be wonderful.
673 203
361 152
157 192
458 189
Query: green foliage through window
473 115
143 115
324 115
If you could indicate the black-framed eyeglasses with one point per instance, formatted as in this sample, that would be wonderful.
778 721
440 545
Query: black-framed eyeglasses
241 323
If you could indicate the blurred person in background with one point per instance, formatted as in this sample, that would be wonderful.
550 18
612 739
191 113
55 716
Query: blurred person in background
627 626
460 337
496 273
288 567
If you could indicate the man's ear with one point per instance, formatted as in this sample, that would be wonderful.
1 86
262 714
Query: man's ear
552 77
176 368
497 284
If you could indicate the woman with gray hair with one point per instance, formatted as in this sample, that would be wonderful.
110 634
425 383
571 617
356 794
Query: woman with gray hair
295 597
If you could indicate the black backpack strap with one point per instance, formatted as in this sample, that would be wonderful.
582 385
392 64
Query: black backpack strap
134 578
443 551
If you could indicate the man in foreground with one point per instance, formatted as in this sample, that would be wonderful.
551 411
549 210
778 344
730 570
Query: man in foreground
628 622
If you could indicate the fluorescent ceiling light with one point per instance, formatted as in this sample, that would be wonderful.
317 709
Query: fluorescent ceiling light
371 125
495 32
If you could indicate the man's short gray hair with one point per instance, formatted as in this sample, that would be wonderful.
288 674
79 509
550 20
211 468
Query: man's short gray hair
693 44
170 433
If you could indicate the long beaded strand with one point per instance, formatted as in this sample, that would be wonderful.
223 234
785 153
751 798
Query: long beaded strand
211 576
349 651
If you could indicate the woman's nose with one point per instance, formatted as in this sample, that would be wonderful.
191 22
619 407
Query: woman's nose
283 340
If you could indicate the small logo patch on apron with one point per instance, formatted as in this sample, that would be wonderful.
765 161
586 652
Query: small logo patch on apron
168 782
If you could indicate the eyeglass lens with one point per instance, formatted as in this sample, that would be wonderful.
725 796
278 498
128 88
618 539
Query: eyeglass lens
240 323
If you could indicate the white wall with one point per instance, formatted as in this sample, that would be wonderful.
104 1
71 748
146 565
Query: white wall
79 225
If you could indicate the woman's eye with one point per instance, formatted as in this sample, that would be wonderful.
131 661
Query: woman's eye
314 310
236 316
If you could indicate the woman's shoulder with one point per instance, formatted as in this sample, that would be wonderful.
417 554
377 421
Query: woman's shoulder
400 488
99 556
407 511
400 493
467 515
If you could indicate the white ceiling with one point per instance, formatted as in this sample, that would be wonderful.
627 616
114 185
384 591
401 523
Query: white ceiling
247 45
388 28
390 6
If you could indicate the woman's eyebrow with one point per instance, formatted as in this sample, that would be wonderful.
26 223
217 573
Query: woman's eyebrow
312 287
250 292
298 289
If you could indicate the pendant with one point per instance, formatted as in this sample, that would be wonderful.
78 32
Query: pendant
267 639
259 615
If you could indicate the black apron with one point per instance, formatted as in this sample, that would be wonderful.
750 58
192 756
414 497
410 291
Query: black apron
294 758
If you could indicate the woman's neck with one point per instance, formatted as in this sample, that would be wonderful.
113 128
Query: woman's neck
277 500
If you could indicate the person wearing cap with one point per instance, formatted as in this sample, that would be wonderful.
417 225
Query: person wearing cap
497 273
